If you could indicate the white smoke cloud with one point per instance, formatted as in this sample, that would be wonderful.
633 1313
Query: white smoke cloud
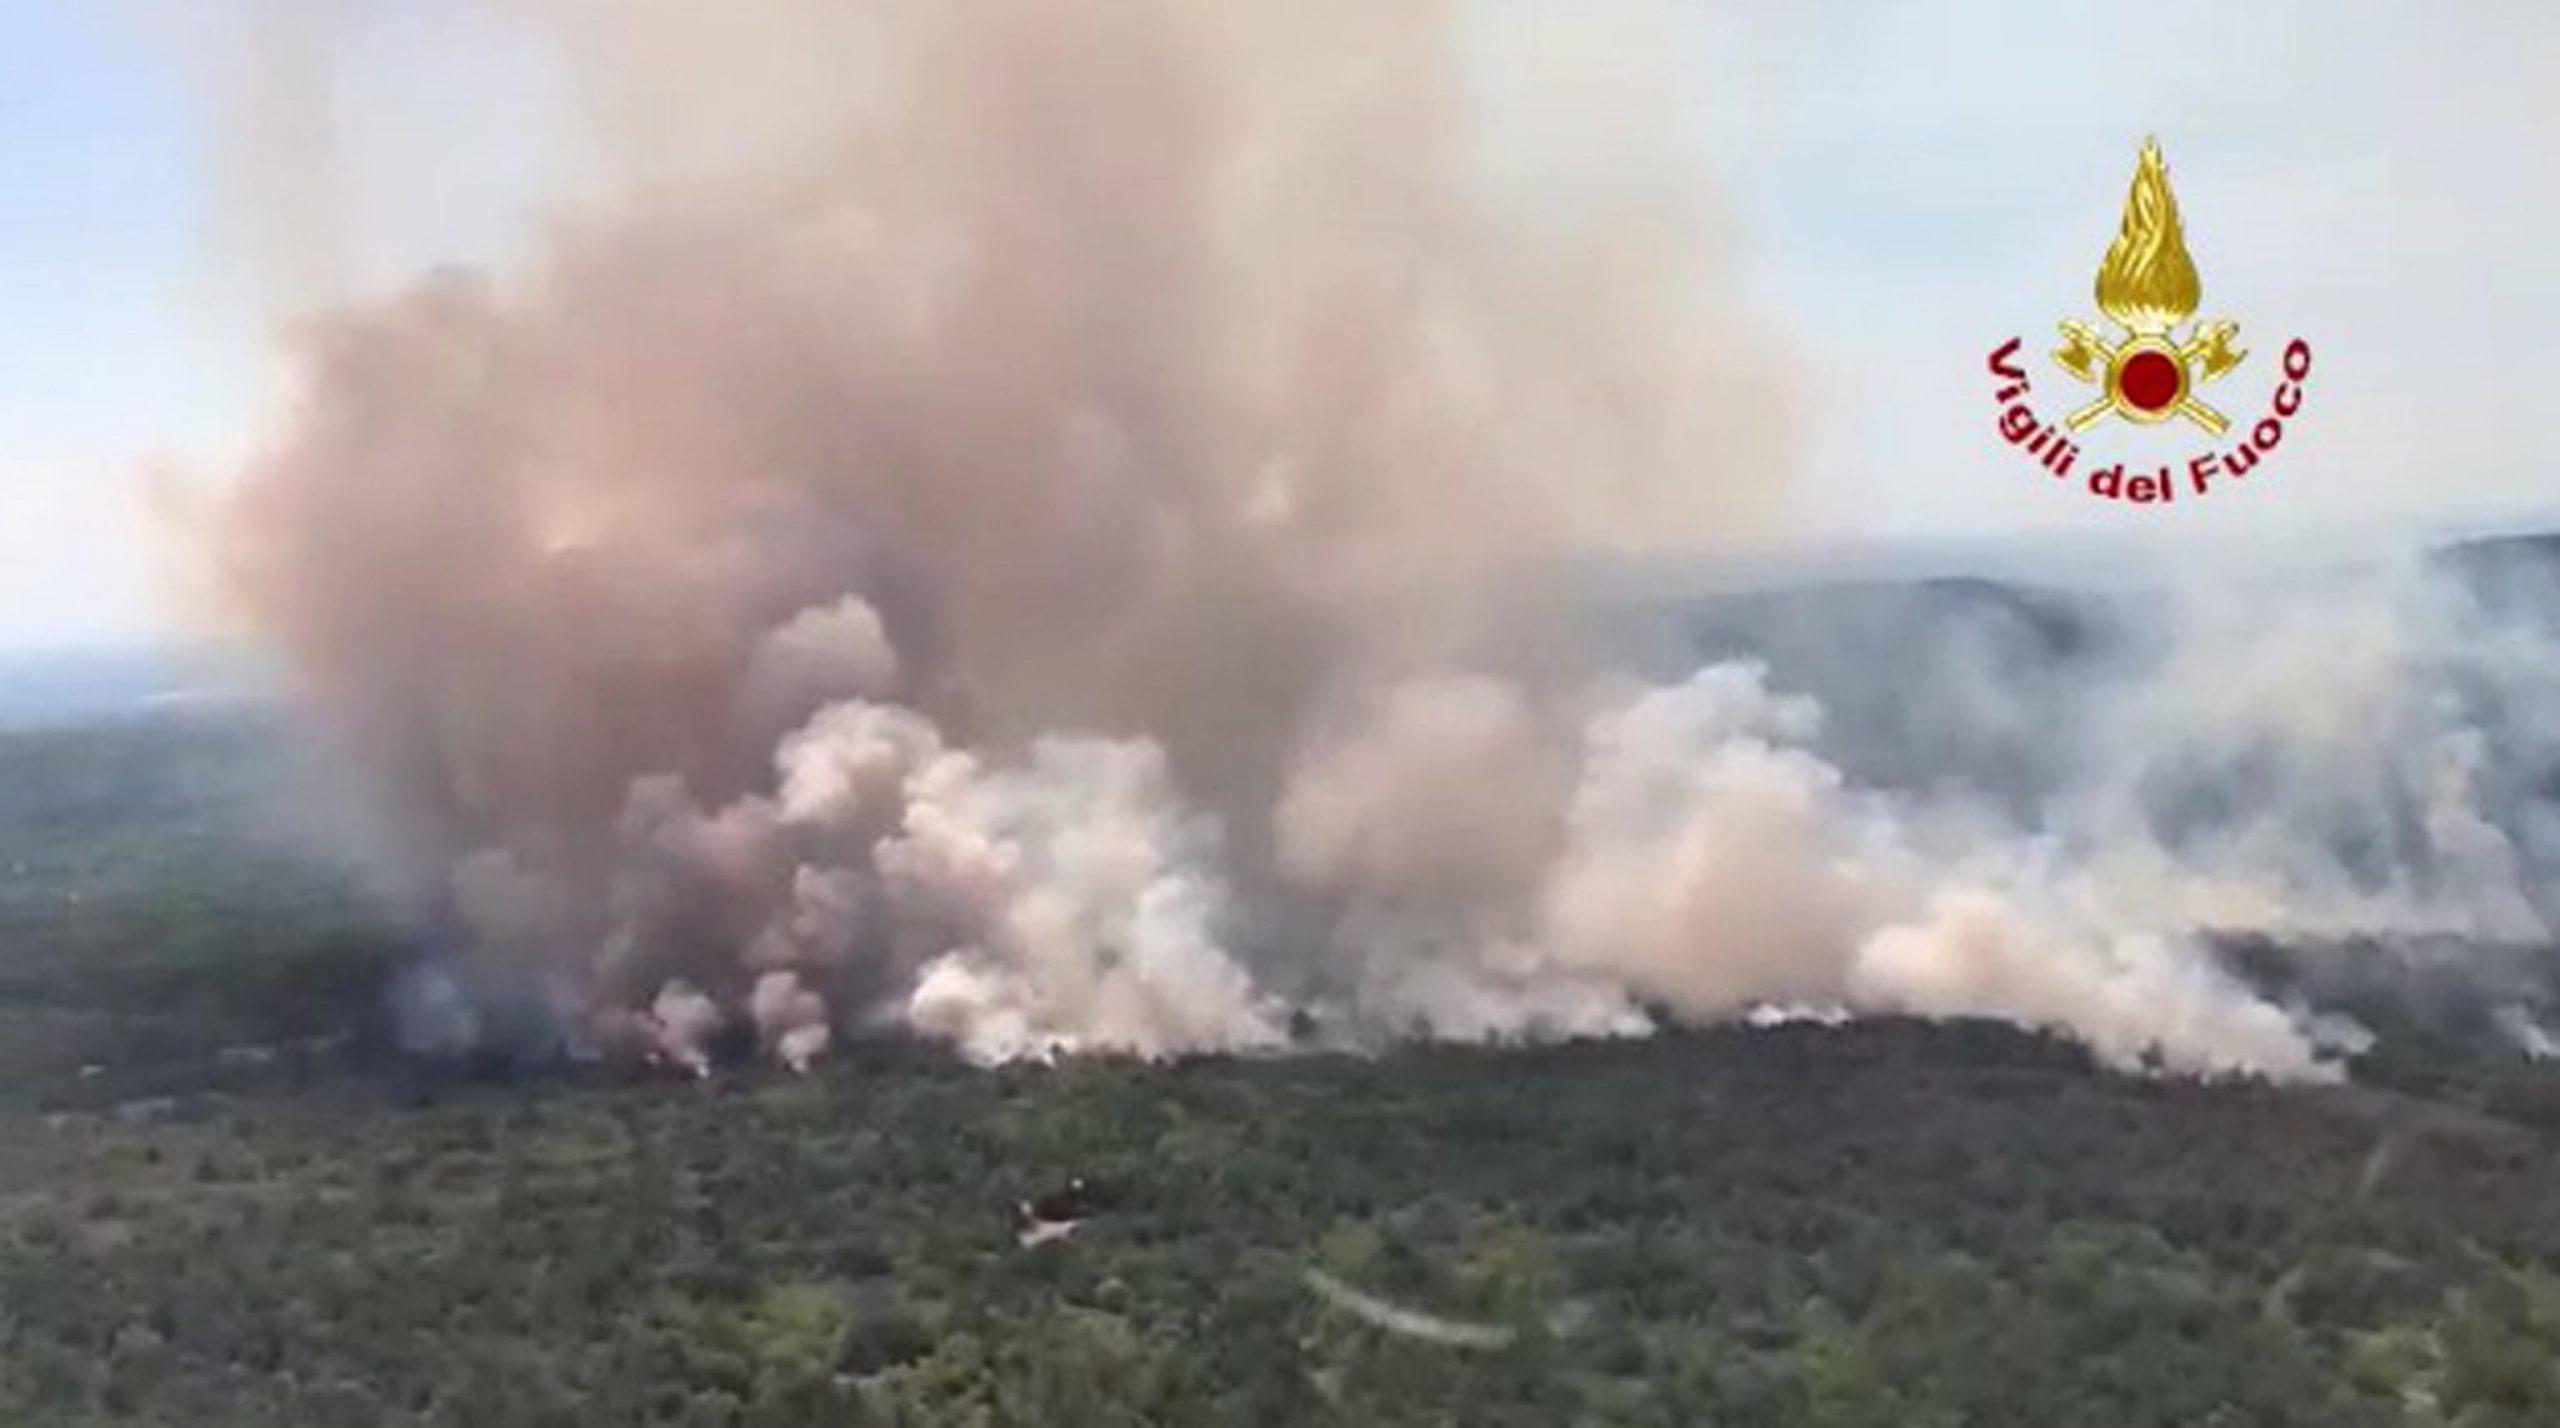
790 1019
2528 1033
2131 997
1080 906
2316 759
822 655
681 1024
1441 796
1710 864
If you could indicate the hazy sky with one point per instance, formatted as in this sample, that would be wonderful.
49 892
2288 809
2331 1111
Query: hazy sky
1915 183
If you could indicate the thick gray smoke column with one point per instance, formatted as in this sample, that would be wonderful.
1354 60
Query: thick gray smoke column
1012 525
901 552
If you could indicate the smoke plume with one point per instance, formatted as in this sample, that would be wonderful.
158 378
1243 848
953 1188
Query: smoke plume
1042 527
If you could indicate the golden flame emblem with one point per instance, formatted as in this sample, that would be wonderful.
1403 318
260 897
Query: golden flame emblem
2147 285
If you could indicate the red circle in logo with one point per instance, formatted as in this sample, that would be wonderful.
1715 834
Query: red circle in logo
2149 380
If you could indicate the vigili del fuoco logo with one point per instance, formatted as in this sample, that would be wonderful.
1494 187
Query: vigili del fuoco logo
2145 372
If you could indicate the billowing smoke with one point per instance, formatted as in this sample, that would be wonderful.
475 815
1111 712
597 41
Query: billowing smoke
1053 539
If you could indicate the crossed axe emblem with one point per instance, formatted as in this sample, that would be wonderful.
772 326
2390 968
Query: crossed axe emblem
2147 377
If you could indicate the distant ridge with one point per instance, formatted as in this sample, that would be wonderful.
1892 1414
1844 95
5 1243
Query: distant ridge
92 684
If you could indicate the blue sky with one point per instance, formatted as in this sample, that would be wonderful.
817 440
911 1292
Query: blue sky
147 279
1913 183
108 342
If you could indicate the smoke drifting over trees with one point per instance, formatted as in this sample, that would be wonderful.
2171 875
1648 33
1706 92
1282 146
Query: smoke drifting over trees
1053 543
